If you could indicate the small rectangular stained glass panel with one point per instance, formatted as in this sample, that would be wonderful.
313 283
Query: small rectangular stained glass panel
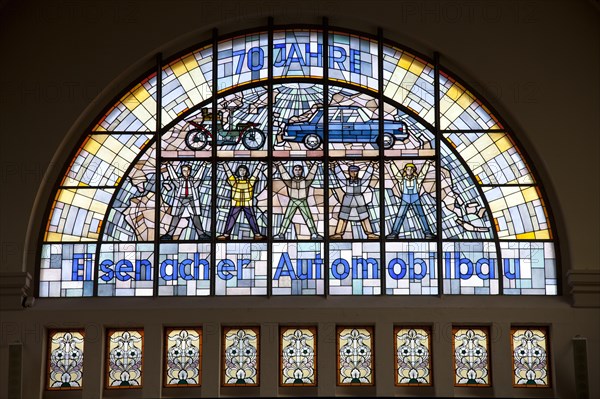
413 356
471 356
355 356
183 357
298 356
65 359
241 358
124 358
531 360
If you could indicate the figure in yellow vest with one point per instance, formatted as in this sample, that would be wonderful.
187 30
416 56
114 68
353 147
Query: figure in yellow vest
242 191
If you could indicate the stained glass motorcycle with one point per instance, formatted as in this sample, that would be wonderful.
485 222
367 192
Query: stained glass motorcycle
200 135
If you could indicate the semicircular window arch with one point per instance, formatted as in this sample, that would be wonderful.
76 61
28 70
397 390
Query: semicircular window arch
276 171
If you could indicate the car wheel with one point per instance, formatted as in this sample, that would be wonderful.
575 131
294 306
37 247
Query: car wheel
312 141
388 140
196 139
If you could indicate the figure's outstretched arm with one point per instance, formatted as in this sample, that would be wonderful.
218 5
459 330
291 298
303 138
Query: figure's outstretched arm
283 171
424 171
171 171
312 171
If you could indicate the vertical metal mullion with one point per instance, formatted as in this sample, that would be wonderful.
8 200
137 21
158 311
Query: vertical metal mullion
381 162
326 154
157 175
438 171
214 165
270 161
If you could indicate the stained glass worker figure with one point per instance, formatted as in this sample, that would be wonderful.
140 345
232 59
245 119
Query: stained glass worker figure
354 206
242 193
410 184
187 199
298 192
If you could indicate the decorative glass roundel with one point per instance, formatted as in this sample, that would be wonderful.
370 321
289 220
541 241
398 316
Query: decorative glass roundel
297 162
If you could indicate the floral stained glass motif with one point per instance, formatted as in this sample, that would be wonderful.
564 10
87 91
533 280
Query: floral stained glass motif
125 358
298 356
413 356
471 356
355 356
530 357
183 358
240 356
65 361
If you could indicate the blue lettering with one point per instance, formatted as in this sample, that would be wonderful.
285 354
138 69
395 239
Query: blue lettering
106 268
256 59
241 54
391 267
285 262
432 271
479 268
337 59
354 61
412 262
168 269
512 275
76 267
364 265
224 269
122 268
143 264
334 269
318 265
458 262
182 269
205 265
279 59
318 55
295 50
240 267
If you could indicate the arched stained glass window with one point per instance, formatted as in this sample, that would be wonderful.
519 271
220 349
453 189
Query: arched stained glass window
298 161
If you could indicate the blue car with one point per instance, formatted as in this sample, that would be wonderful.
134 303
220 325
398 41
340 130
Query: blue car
347 124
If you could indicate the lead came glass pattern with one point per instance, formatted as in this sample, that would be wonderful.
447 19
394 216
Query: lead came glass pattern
65 359
413 356
355 356
298 356
67 270
529 268
186 82
242 59
183 357
298 53
257 178
408 80
103 159
124 358
471 356
241 356
135 111
530 357
459 109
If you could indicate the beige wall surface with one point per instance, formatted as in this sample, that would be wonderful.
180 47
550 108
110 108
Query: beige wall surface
536 62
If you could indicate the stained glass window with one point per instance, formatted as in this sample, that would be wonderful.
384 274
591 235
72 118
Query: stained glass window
471 356
241 356
298 348
355 351
531 357
65 359
183 357
124 358
310 161
412 346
